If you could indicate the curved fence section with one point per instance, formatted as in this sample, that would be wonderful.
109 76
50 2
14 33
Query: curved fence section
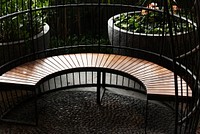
163 32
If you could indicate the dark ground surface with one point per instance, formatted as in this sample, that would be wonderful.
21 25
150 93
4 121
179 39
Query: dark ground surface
76 112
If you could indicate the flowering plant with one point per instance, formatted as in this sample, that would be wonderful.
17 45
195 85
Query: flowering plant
150 21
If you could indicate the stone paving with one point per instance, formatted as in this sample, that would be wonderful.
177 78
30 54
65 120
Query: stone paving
76 112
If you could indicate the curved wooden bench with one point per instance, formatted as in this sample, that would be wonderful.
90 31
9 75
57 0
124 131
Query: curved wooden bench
158 80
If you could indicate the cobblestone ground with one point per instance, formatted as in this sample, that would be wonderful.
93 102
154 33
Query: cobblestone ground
76 112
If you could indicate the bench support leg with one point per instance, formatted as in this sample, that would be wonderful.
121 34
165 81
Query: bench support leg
146 116
102 91
100 86
103 79
103 86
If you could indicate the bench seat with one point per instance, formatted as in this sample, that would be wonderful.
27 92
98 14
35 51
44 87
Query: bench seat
157 79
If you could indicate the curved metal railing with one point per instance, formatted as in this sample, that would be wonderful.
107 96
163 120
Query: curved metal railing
76 27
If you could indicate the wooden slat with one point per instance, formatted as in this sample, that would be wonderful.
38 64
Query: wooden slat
74 60
89 59
60 62
37 67
24 72
131 65
114 61
104 60
98 60
119 61
146 69
126 63
21 76
109 60
50 64
64 60
45 65
168 92
94 60
79 59
15 80
84 59
157 80
55 64
69 61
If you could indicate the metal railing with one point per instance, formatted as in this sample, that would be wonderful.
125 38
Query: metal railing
30 30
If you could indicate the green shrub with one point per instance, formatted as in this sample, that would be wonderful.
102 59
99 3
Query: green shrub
21 26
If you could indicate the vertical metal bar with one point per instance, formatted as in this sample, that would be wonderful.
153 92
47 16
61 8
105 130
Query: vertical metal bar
3 45
3 101
67 79
43 88
122 80
79 78
166 9
98 87
43 38
17 97
31 27
92 77
35 101
99 23
103 79
48 85
110 78
196 118
22 95
12 98
8 50
1 110
146 115
73 78
35 43
129 82
56 18
54 79
116 79
18 34
27 93
7 99
61 83
86 77
66 24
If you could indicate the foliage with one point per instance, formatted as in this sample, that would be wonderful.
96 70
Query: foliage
150 22
78 40
22 25
186 4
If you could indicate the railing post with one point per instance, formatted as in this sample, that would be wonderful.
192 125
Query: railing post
103 79
170 22
98 87
146 115
35 101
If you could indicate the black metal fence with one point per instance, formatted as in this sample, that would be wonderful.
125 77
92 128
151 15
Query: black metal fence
166 33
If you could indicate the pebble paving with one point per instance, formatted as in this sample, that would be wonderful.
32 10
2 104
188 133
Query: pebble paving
76 112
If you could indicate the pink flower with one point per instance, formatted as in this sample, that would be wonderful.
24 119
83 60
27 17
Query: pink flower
175 8
151 6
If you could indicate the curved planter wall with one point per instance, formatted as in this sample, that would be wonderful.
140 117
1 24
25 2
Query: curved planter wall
151 42
11 50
